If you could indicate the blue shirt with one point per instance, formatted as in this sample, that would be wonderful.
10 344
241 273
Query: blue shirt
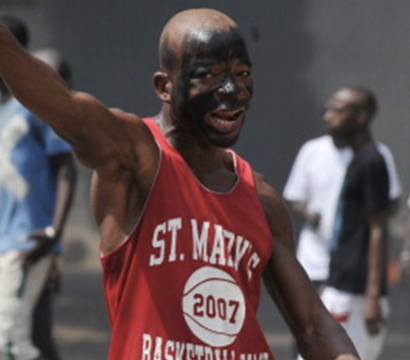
28 176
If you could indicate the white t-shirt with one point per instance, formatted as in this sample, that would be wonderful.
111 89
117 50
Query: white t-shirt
316 179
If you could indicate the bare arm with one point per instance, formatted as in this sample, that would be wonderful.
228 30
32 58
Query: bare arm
405 252
377 265
96 133
318 335
66 181
312 218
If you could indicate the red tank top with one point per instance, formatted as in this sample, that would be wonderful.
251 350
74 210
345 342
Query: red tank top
186 283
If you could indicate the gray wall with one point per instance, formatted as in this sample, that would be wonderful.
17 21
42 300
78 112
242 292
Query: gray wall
302 51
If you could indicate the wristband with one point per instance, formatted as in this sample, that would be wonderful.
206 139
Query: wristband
50 232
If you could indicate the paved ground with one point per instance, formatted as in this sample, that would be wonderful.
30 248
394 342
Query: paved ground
83 333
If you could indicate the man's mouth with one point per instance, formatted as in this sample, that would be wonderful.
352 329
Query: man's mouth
226 120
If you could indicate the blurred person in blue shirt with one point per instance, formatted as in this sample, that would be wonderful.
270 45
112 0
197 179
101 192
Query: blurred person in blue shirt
37 180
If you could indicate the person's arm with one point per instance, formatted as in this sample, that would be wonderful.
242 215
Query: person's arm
405 252
376 201
311 217
377 263
318 335
402 264
296 190
66 182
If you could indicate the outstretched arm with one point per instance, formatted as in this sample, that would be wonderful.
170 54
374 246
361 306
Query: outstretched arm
95 132
318 335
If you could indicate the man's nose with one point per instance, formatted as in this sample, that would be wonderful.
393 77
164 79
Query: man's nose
229 86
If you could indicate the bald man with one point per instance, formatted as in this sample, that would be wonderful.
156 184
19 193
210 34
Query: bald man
188 230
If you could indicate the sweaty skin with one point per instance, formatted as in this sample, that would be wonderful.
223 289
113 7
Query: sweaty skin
205 85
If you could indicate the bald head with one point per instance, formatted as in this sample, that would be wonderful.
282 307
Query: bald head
188 24
205 80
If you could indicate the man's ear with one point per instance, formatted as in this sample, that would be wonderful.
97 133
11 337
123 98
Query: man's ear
162 85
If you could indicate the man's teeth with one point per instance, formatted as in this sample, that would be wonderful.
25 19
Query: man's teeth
223 121
226 116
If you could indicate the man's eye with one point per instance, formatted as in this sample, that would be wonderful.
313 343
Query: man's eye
244 73
204 75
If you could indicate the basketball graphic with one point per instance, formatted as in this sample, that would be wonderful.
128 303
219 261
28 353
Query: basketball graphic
213 306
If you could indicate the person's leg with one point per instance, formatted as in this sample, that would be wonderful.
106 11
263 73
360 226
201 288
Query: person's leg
348 310
43 323
368 346
376 343
19 291
356 328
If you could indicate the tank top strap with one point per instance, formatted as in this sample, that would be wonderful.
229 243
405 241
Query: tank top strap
242 168
157 133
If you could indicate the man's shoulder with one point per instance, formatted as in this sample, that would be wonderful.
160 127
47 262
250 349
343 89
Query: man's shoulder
132 123
384 150
261 183
371 157
275 210
263 188
316 150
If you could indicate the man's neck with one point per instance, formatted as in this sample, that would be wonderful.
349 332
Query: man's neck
212 165
197 151
360 141
339 142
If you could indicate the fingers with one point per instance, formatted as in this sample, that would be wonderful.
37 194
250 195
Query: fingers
41 249
27 263
36 235
314 219
375 326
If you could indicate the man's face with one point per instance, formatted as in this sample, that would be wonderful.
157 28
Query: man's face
213 85
341 114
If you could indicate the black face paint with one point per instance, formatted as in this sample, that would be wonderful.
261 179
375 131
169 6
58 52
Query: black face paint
208 80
